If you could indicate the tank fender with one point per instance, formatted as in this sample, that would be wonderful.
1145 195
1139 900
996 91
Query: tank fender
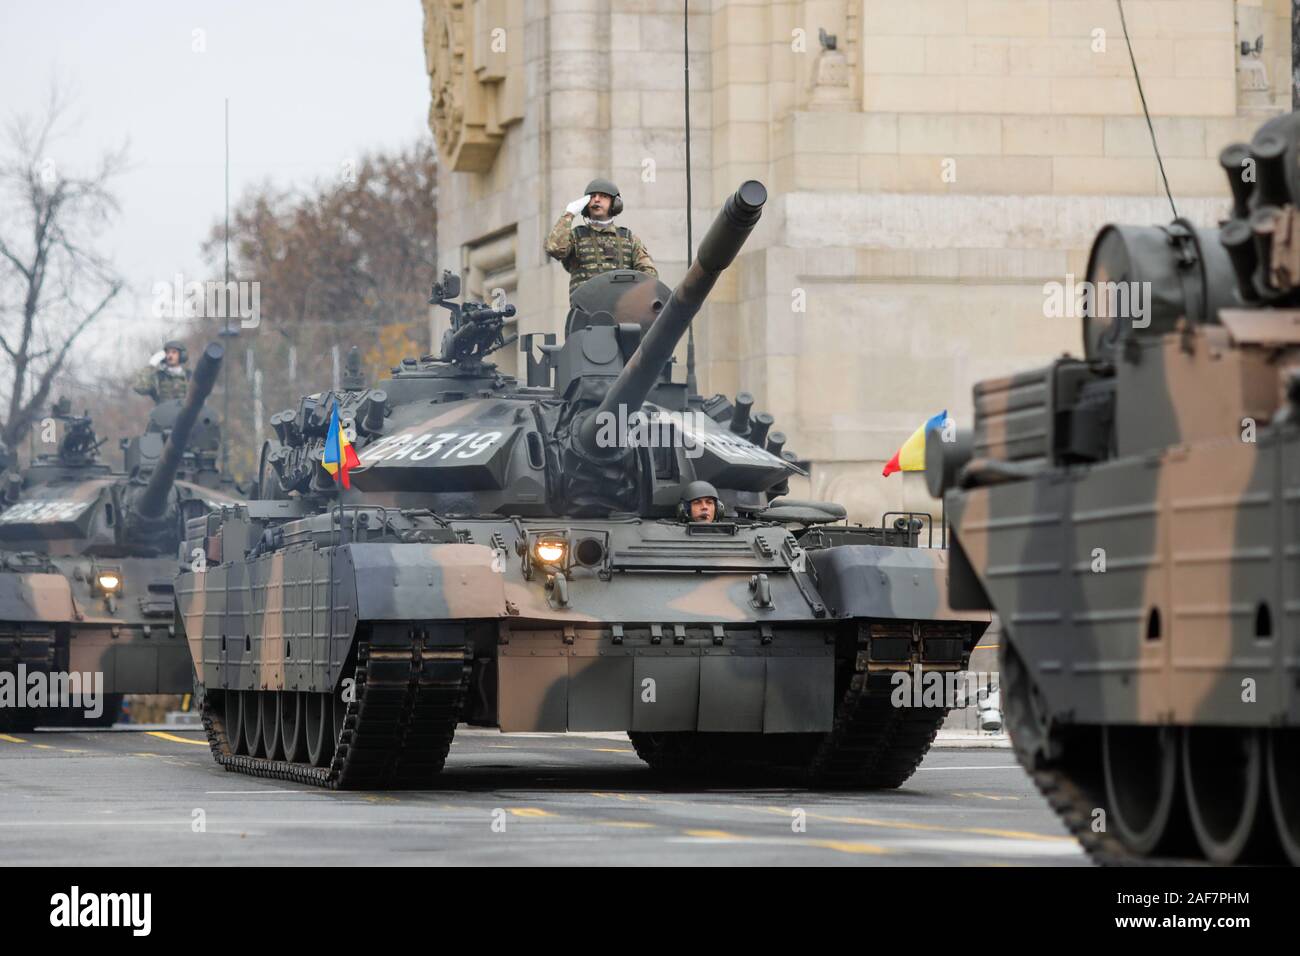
863 580
404 582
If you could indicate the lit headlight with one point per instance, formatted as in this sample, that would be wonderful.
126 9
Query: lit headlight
549 550
108 582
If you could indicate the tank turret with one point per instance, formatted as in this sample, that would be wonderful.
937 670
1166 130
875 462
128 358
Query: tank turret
720 246
148 506
601 427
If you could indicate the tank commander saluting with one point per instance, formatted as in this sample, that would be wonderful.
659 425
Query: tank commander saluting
700 503
596 245
165 377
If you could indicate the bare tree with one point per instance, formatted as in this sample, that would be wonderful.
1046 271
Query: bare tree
53 283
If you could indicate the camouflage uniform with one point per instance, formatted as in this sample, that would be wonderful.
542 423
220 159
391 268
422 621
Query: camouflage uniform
160 385
587 250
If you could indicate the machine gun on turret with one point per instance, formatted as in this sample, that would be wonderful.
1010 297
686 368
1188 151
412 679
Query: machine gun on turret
476 328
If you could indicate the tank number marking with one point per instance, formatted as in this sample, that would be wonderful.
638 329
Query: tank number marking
730 447
737 449
438 445
42 511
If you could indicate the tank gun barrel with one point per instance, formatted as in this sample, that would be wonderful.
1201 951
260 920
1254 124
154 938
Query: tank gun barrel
739 215
152 501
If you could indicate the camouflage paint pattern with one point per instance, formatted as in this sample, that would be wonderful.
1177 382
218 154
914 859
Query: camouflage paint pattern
160 385
1132 519
262 624
435 592
586 250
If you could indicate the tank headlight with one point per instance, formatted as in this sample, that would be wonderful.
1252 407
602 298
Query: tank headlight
108 582
549 550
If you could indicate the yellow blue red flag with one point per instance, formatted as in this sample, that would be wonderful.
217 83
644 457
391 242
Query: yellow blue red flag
911 456
340 457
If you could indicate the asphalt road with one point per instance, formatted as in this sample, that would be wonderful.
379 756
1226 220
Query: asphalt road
139 798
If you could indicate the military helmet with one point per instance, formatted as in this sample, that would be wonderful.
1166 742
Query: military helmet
609 189
178 346
700 489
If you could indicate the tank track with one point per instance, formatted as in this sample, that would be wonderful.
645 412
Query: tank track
1069 799
871 745
396 732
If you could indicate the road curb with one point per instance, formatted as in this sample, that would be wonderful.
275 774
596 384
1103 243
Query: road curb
951 740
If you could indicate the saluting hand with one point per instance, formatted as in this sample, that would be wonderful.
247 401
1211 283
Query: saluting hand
578 205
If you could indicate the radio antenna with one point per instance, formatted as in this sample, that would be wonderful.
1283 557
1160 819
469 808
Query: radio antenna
691 388
1145 112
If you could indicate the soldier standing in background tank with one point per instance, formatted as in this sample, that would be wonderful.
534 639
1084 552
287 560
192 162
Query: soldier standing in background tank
596 245
165 377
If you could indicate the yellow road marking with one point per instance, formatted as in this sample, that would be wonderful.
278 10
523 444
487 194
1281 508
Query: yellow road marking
840 846
163 735
930 827
713 835
986 796
610 750
627 824
850 846
43 746
530 812
69 750
11 739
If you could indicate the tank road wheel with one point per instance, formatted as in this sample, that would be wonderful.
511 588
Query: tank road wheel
250 703
320 729
1283 762
233 715
1223 772
270 707
1142 788
293 726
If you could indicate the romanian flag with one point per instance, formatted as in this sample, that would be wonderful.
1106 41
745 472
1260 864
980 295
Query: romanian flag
911 456
340 456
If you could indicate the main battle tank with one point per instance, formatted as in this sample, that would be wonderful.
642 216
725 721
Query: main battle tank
87 555
1131 516
511 555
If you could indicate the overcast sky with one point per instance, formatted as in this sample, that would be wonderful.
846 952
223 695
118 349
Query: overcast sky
311 85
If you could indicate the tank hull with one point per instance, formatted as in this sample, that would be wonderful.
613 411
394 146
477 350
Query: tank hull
763 645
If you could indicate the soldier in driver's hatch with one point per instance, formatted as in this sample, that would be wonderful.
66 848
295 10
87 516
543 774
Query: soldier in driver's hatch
596 245
165 377
700 503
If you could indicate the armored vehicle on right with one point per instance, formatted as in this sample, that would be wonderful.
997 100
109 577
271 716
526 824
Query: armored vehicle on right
1133 516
